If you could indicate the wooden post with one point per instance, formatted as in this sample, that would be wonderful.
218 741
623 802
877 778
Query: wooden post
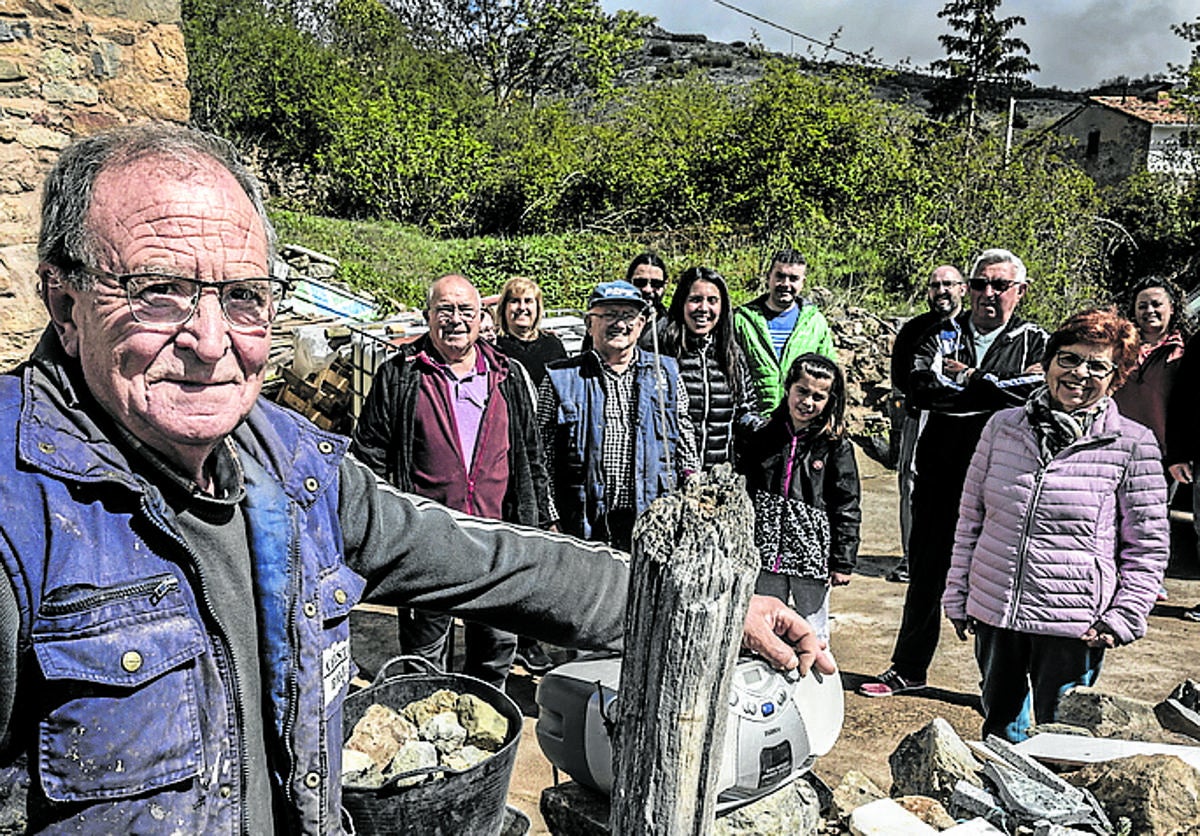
693 572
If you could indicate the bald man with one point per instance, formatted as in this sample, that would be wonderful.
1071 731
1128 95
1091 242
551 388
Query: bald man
452 419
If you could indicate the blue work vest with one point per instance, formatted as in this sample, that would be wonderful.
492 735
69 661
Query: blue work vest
578 438
125 704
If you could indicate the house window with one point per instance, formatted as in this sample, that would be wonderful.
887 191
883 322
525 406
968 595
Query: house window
1093 144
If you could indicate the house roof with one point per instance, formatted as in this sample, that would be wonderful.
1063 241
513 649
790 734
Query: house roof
1158 112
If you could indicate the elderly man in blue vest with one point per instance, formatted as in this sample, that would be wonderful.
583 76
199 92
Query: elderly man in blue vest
179 557
615 423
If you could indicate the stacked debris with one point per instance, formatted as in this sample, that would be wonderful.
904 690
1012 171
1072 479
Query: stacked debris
1106 767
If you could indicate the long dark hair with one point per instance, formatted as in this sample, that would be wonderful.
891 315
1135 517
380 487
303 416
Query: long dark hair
674 336
821 367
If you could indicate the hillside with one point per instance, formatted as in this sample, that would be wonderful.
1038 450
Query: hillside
671 55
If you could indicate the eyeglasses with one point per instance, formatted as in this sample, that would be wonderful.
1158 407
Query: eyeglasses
1095 368
613 317
944 285
998 285
162 299
641 281
446 313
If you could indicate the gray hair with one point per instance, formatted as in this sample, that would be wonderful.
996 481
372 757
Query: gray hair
65 241
999 256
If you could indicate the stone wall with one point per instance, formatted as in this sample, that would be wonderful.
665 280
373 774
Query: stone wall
69 69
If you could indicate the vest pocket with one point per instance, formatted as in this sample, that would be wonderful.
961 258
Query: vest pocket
120 715
338 591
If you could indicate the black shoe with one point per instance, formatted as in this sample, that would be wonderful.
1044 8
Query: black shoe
899 574
1193 614
533 658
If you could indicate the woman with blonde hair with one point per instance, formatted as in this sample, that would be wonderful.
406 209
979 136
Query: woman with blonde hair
519 322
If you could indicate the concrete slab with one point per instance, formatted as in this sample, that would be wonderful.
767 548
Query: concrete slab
887 818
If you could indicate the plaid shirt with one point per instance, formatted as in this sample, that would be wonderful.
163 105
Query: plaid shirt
620 400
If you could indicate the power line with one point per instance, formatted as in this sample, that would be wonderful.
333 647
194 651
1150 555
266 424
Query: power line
828 45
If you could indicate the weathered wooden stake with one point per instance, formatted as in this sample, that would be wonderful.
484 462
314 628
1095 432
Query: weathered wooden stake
694 566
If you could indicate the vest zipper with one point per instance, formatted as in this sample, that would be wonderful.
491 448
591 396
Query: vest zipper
157 588
289 721
226 647
707 407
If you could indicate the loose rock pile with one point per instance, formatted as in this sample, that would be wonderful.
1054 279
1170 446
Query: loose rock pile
446 730
940 784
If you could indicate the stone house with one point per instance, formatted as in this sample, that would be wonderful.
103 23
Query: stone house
67 69
1118 135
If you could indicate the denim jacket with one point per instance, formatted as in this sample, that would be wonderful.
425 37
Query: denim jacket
577 435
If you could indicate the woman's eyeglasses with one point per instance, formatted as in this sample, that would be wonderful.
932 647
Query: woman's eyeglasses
1095 368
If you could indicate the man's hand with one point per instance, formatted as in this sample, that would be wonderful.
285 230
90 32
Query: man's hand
962 627
1181 472
776 632
839 578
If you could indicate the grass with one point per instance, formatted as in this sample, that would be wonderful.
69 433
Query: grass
396 262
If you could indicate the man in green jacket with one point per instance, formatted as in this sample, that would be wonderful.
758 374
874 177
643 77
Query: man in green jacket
778 327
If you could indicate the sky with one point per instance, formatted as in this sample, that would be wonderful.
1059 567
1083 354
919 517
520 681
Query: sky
1077 43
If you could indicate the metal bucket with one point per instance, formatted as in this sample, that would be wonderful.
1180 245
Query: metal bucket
462 803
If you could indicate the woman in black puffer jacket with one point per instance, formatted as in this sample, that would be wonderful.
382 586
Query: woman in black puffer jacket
698 332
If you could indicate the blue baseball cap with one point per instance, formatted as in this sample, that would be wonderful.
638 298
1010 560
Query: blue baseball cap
616 293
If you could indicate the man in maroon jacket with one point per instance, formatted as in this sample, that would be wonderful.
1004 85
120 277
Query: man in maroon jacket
452 419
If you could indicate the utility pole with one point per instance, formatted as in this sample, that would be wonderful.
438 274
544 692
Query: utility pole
1012 109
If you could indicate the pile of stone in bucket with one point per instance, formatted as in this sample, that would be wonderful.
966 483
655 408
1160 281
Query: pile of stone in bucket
446 729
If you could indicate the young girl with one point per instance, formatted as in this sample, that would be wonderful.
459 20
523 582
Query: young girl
801 475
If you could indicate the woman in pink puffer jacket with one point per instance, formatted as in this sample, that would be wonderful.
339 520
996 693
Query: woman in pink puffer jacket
1062 535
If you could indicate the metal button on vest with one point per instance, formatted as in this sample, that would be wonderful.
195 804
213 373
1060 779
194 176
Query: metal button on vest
340 596
46 447
312 780
226 791
310 609
311 484
131 660
325 447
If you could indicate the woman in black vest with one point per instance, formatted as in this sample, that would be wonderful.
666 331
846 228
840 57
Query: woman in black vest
698 332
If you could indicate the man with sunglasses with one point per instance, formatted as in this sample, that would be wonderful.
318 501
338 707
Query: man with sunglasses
451 418
648 273
615 423
778 327
179 558
965 368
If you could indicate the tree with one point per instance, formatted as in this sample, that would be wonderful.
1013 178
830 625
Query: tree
983 52
1189 74
525 48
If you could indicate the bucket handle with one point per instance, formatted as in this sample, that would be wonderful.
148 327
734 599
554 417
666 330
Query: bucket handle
399 660
393 780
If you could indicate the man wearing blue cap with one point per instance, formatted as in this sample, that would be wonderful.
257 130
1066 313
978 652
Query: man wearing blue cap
614 421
